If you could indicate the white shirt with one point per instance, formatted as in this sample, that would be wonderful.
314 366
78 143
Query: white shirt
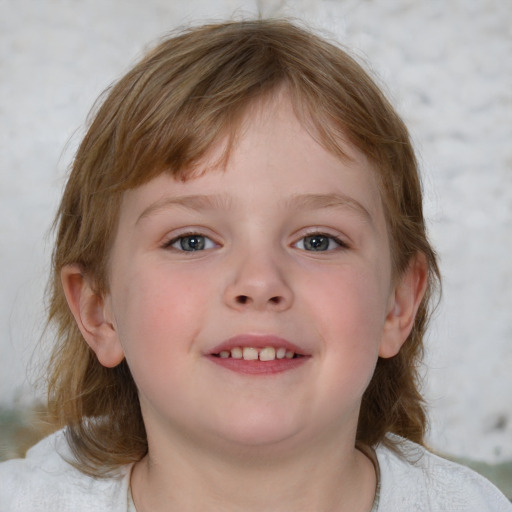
421 482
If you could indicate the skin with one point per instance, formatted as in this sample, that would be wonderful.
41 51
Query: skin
219 439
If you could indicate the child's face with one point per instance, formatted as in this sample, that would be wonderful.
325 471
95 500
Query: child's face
286 248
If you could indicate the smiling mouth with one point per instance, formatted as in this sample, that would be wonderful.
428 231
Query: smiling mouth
257 354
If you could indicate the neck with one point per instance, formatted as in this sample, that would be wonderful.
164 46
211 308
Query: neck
324 478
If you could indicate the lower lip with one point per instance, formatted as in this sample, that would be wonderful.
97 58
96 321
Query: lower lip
258 367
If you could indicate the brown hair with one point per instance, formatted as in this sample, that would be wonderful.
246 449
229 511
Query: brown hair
163 116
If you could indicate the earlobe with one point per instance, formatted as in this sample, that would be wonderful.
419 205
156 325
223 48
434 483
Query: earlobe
403 307
92 316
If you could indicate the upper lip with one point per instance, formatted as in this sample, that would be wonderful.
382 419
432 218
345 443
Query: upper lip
256 341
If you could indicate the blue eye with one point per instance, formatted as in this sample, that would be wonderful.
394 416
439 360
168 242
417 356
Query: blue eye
190 243
319 242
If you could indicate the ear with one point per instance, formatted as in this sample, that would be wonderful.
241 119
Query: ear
92 315
403 305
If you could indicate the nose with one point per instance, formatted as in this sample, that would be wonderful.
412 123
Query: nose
258 283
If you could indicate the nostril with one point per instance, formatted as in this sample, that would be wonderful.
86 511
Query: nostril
244 299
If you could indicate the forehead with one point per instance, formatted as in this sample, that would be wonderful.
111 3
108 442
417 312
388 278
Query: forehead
205 152
274 158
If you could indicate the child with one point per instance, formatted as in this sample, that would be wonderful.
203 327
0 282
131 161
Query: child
241 284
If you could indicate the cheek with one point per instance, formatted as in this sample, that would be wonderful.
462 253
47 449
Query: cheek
349 317
352 303
157 317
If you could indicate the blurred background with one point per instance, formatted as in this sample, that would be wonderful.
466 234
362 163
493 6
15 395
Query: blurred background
447 67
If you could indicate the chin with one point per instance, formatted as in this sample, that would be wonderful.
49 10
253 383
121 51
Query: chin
257 430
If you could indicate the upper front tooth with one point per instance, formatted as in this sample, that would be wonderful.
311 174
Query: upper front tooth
250 353
280 353
268 354
236 353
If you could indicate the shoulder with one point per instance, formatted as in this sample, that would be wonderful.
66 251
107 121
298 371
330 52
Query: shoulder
45 481
416 479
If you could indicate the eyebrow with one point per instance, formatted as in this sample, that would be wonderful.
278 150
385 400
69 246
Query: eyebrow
326 201
299 202
191 202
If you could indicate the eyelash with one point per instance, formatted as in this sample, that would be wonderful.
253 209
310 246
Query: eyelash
208 241
169 244
341 244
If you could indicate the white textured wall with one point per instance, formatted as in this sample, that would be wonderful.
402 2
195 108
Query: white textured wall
447 66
